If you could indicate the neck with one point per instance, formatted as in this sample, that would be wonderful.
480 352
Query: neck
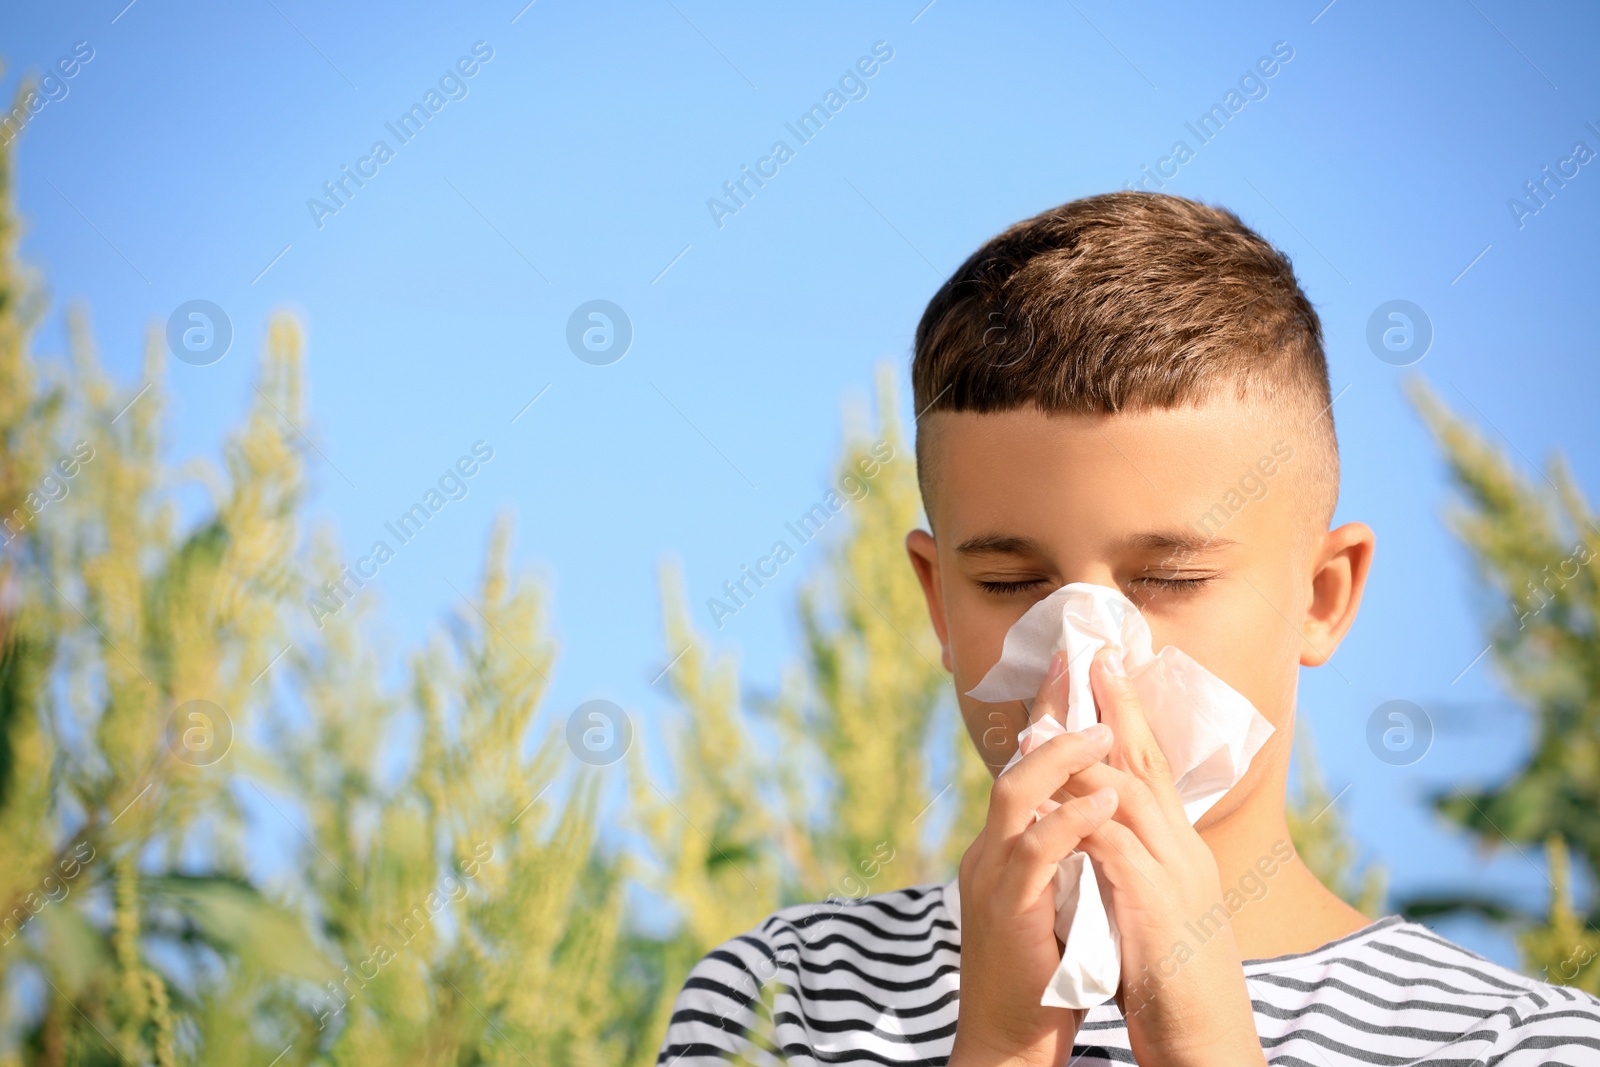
1278 905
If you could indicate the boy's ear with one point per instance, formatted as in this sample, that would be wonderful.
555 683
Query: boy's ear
924 553
1339 566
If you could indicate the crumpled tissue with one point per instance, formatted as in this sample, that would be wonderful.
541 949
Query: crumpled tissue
1207 731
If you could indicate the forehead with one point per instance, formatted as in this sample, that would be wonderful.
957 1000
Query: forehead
1121 473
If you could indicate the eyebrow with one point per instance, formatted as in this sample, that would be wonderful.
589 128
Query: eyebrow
994 544
1177 541
1000 545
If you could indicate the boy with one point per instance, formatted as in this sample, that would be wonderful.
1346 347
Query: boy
1129 390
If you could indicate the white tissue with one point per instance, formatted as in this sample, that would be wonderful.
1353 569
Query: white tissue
1207 730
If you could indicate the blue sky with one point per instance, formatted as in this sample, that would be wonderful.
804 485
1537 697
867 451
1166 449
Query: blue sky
577 163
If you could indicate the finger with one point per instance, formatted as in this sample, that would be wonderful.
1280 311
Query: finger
1032 865
1123 858
1135 749
1137 807
1019 792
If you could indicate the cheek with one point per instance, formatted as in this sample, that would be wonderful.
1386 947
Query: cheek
993 730
977 628
1241 636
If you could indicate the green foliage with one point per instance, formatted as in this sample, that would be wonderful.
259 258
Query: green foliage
876 700
1533 541
1563 946
837 800
443 901
445 897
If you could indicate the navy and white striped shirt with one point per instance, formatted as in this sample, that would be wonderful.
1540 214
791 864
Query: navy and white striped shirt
878 981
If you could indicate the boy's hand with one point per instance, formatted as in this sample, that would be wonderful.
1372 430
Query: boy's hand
1008 944
1184 998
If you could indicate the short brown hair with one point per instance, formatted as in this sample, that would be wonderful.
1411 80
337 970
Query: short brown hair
1126 300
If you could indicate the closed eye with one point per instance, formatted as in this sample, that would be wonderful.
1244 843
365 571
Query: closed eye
1149 583
1178 585
1008 588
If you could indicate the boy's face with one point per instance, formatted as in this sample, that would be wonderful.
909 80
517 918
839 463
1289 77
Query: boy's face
1205 517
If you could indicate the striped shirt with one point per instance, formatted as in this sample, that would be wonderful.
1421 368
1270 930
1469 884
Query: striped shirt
877 981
